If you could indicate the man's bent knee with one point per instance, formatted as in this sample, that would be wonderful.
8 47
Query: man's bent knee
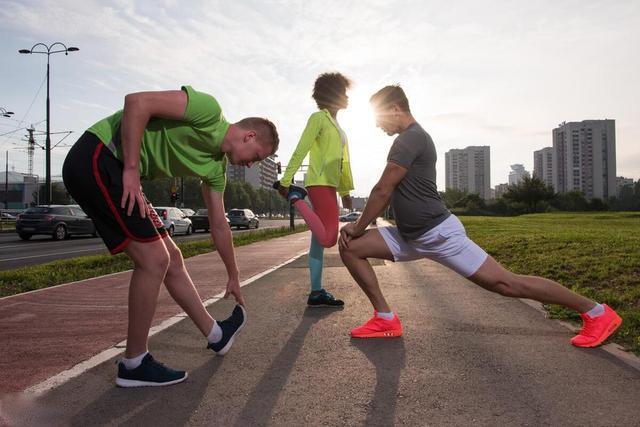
176 261
149 256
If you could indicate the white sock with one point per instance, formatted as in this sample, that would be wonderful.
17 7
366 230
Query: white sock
216 333
134 362
385 316
596 311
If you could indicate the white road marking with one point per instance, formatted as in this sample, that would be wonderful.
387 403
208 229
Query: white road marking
80 368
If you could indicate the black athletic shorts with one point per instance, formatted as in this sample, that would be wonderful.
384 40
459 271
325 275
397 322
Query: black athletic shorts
93 177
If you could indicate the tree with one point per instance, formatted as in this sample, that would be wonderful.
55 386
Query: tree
59 195
573 201
530 191
453 197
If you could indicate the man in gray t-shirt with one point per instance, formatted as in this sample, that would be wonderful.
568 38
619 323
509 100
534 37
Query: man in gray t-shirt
426 229
416 203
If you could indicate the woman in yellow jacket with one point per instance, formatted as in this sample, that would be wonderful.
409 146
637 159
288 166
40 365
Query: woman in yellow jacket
329 172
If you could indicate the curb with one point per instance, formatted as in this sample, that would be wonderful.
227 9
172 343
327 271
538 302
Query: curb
616 350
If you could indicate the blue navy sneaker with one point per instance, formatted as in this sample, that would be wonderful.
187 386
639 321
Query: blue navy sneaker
149 374
322 298
230 328
295 192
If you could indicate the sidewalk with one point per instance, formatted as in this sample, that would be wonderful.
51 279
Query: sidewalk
48 331
468 357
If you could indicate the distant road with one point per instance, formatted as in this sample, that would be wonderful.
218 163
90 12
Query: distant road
15 252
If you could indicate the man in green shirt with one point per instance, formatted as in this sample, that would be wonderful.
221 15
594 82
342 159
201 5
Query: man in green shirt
163 134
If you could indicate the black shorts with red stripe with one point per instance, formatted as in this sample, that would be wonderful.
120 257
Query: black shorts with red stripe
93 177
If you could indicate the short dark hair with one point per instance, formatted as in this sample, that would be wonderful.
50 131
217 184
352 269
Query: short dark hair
390 95
265 130
328 87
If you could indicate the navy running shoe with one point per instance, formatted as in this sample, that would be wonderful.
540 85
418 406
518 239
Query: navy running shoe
296 193
230 328
149 374
322 298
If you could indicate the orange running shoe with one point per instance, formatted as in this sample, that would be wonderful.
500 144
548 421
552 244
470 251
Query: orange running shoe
597 329
377 327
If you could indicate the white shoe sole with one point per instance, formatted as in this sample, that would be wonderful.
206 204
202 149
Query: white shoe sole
121 382
227 347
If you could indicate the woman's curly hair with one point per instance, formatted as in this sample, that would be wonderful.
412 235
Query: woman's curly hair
328 89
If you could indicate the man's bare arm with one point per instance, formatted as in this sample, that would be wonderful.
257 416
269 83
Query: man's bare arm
138 110
380 195
223 239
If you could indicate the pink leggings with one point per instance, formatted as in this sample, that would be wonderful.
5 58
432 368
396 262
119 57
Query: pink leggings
323 218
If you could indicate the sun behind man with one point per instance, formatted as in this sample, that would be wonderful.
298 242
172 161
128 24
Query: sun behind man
426 229
163 134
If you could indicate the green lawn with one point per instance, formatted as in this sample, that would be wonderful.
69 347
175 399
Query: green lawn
595 254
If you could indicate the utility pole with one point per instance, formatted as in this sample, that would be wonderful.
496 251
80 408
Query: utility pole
6 182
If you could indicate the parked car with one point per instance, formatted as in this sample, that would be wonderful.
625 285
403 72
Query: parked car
174 220
188 212
60 221
243 218
350 217
6 216
200 221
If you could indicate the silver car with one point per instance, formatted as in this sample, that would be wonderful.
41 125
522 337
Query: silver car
174 220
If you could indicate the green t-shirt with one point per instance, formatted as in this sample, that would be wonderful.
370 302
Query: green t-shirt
172 148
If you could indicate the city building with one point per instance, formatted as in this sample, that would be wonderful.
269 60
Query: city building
500 190
623 185
20 192
518 172
261 175
543 165
469 169
585 158
358 203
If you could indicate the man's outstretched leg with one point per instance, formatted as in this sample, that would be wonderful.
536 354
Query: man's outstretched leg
220 335
138 368
384 323
599 321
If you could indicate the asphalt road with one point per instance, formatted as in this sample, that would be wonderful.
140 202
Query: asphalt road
15 252
468 357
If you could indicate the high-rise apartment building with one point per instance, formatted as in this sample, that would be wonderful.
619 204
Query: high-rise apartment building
543 165
469 169
261 175
585 154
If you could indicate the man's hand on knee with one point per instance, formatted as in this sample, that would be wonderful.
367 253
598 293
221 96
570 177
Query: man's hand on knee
348 233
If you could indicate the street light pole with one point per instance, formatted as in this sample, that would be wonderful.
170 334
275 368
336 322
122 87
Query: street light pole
48 52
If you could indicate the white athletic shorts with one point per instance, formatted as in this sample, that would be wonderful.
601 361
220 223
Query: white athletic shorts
447 243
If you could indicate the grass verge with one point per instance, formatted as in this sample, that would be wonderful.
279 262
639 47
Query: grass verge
25 279
595 255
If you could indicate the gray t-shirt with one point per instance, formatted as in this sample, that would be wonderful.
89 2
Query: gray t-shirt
416 204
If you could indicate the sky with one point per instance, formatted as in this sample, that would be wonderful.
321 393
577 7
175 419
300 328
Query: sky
497 73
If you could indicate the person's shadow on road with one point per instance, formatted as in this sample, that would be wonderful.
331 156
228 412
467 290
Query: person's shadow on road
388 357
172 405
259 406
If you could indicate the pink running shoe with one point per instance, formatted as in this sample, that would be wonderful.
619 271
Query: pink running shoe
597 329
377 327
